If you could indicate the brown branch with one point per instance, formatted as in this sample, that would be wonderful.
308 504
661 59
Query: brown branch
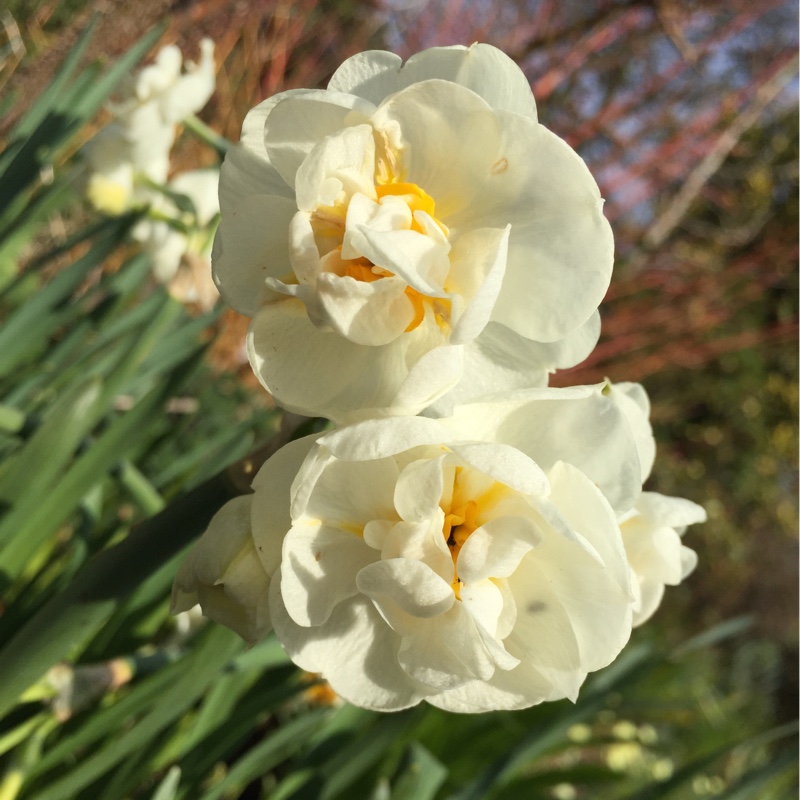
680 204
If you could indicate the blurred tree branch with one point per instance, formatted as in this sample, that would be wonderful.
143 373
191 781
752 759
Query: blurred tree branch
681 203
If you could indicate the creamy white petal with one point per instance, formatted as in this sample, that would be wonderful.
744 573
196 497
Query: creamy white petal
350 494
419 489
364 313
597 608
477 267
391 214
224 575
634 403
192 90
270 517
372 74
496 548
316 373
423 542
318 570
446 651
303 251
355 651
377 531
227 533
502 659
652 540
651 593
161 74
409 254
483 600
247 169
166 247
587 511
484 69
561 249
379 438
676 512
251 245
507 690
688 561
298 122
505 464
453 168
500 362
411 585
201 186
420 389
577 425
653 550
508 616
495 364
339 166
543 635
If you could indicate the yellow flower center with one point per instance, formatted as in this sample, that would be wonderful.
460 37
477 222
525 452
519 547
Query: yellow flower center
458 525
416 198
463 515
329 222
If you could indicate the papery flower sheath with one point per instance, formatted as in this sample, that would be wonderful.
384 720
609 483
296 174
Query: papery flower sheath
391 235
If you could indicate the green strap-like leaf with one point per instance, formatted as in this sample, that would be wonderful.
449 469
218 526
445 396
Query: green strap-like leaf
419 775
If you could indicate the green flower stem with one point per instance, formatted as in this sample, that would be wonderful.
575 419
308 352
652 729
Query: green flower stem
21 732
77 612
23 759
207 135
139 488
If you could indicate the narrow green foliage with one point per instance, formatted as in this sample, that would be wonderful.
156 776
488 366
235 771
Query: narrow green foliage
196 674
168 788
418 776
52 122
286 741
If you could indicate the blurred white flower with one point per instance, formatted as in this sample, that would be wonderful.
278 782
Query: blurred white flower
408 231
169 233
136 144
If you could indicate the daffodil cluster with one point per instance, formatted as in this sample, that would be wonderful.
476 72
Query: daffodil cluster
129 161
418 254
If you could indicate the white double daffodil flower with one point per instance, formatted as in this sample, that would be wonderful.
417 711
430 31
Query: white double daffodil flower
409 235
476 562
411 239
